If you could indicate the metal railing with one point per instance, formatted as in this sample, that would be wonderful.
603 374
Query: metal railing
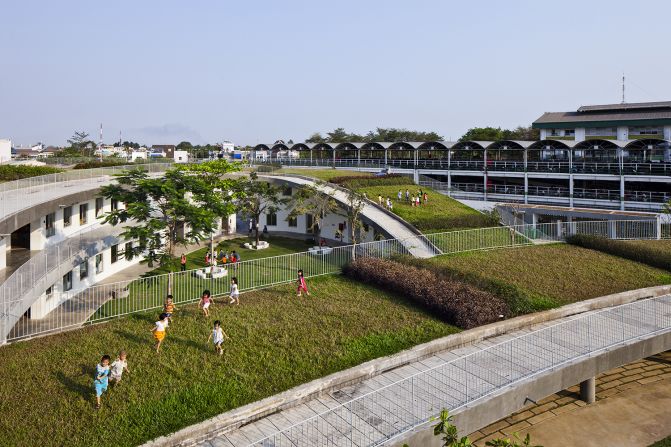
102 302
413 401
23 194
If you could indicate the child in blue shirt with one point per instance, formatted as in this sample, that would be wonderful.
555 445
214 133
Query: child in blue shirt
102 377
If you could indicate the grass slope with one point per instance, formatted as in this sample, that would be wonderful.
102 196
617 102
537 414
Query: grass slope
278 341
322 174
539 277
441 213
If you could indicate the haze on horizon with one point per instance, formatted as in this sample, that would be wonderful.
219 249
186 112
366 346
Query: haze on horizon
250 72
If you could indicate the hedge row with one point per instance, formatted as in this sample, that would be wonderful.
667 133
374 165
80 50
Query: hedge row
353 181
17 172
645 254
100 164
459 304
456 221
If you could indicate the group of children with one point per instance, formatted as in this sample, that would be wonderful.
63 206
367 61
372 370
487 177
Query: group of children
105 371
221 257
416 199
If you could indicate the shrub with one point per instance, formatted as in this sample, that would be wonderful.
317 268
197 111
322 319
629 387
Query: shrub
353 181
457 303
645 254
17 172
100 164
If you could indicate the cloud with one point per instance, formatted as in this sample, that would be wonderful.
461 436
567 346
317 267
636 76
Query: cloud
164 134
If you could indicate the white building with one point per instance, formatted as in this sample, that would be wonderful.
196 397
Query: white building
227 147
5 150
181 157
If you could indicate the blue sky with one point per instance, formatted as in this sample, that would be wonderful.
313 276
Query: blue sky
257 71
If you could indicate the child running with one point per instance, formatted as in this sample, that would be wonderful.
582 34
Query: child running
118 367
217 336
159 330
235 293
169 307
101 380
302 285
205 301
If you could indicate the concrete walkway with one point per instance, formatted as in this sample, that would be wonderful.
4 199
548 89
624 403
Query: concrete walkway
417 246
547 420
399 399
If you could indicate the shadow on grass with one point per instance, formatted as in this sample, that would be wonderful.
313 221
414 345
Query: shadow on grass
134 337
75 386
189 343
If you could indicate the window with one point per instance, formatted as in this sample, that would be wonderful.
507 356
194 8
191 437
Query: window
115 204
293 221
271 219
49 224
83 213
99 206
115 253
128 251
99 263
67 281
84 269
569 132
49 292
67 216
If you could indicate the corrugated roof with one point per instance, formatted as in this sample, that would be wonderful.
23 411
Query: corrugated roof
626 106
577 117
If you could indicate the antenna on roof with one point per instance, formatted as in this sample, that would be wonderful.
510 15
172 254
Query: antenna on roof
101 134
623 101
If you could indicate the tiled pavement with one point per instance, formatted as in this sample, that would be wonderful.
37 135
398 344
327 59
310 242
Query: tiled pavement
608 384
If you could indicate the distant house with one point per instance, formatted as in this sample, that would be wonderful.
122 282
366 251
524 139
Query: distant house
168 150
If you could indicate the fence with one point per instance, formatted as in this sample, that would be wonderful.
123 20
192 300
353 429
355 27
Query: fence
23 194
102 302
390 411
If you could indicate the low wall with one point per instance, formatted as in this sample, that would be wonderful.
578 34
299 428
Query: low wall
308 391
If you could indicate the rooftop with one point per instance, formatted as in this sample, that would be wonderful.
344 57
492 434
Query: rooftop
605 114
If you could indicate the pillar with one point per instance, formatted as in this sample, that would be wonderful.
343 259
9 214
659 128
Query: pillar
415 176
559 229
449 184
621 192
3 251
658 227
588 390
612 230
485 185
385 157
526 187
334 158
358 157
37 233
570 190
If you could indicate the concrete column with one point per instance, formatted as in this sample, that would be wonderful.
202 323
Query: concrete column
559 228
449 184
358 157
667 132
534 220
334 157
658 227
526 187
570 190
37 236
579 134
588 390
544 134
415 176
612 230
622 133
484 184
621 192
3 251
385 157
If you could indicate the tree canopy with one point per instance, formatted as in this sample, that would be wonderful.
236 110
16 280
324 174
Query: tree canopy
256 197
496 134
340 135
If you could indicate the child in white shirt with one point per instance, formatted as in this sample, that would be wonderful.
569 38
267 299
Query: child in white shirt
217 336
118 367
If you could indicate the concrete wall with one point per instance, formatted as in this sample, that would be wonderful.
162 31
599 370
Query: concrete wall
579 134
5 150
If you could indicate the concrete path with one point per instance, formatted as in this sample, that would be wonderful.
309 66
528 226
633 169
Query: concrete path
636 418
399 399
416 245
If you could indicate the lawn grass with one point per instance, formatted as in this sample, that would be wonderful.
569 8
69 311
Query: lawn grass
541 277
441 213
321 174
277 341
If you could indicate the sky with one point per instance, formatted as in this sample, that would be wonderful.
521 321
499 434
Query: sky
160 72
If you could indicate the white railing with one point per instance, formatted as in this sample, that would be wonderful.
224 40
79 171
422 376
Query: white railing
23 194
102 302
412 402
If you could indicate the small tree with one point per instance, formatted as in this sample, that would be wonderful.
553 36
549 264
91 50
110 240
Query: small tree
255 197
355 204
667 207
313 200
195 196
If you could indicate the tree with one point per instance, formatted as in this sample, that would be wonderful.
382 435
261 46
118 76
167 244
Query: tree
193 196
355 204
496 133
290 142
316 138
312 200
184 146
667 207
255 197
80 143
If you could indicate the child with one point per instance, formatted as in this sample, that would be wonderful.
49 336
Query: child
302 285
205 301
182 263
159 330
101 380
118 367
235 293
217 336
169 308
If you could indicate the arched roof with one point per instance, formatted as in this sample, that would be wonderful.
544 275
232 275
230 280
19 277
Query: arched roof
471 145
300 147
262 147
435 145
648 143
347 146
602 144
376 145
323 147
401 146
509 145
552 144
280 147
